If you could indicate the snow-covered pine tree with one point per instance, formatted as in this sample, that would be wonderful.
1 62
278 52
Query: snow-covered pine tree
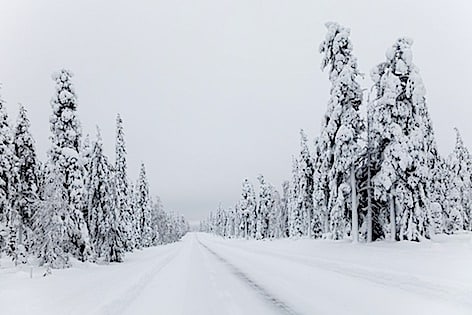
220 221
238 222
156 210
85 153
440 206
173 227
263 209
311 223
460 194
7 173
295 216
143 206
137 216
276 216
284 208
402 135
122 187
247 208
65 158
25 185
341 129
51 222
160 221
103 217
230 223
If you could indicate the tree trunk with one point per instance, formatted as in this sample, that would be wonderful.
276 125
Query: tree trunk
355 219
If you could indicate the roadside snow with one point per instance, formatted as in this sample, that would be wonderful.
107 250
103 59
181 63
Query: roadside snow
204 274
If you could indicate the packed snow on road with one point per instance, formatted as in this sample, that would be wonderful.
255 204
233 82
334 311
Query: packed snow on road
205 274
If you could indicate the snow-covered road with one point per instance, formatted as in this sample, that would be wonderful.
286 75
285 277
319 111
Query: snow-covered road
204 274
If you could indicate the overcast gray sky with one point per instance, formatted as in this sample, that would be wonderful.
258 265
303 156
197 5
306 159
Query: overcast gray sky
214 91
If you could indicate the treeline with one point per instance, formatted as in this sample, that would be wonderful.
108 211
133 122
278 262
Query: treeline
78 203
375 171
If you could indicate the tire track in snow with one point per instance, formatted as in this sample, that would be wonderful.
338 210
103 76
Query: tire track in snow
274 301
406 282
119 304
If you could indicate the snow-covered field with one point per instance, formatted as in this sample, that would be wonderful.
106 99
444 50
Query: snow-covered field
204 274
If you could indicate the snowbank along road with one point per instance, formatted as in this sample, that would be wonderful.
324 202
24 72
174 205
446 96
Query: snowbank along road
204 274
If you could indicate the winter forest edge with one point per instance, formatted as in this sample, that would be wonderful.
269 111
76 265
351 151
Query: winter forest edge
375 172
77 204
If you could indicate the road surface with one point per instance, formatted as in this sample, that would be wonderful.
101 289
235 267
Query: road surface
204 274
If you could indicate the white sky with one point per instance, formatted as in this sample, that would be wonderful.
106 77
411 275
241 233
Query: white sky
215 91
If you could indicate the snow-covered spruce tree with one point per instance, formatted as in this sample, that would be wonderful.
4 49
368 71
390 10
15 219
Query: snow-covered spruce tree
183 227
156 216
403 138
51 222
276 216
103 216
85 154
25 185
7 173
264 208
211 222
143 206
220 221
247 208
311 223
160 221
295 216
440 205
137 215
122 187
230 223
341 129
460 194
284 207
238 222
178 226
65 158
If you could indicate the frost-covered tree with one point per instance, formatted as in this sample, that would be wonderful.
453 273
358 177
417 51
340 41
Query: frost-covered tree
247 208
52 222
264 208
284 208
230 223
65 159
143 206
160 221
219 221
276 215
440 206
404 141
7 174
320 187
103 216
25 186
460 195
295 216
137 216
85 154
156 211
312 225
338 144
122 187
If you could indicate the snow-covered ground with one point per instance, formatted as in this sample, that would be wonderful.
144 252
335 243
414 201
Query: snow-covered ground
204 274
